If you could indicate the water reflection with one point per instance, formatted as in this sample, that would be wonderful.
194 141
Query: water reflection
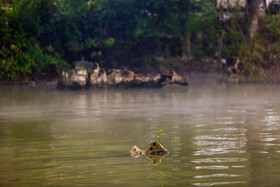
155 159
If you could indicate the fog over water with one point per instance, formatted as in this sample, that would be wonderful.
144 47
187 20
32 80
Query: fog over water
216 134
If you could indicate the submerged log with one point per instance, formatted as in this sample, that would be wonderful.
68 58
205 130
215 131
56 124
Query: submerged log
85 76
155 152
136 152
155 148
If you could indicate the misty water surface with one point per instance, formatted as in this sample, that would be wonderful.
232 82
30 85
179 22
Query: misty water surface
216 134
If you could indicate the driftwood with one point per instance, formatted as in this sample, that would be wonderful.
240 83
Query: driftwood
155 152
85 76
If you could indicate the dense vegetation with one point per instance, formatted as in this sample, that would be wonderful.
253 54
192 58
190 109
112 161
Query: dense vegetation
39 37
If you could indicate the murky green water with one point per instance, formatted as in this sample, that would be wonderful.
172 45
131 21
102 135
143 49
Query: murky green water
216 135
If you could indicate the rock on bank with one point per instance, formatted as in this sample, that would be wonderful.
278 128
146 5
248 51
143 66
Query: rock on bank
85 76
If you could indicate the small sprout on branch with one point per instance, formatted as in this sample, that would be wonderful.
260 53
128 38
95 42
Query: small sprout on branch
159 133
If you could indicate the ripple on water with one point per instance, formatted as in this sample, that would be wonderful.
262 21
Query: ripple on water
219 183
219 154
219 160
216 175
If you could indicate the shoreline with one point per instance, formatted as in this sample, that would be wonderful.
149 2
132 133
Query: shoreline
194 78
43 83
200 69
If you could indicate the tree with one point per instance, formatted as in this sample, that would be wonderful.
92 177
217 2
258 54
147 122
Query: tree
256 9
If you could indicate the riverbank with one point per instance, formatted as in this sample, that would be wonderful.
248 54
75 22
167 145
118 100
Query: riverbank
194 69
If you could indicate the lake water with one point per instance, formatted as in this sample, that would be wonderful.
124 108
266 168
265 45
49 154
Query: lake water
217 135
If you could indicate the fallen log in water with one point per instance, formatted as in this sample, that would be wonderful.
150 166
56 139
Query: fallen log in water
85 76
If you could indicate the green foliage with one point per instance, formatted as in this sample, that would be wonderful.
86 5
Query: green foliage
15 55
28 44
38 36
259 55
159 133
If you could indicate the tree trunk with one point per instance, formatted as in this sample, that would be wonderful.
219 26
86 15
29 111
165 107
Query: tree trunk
255 12
187 41
188 46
